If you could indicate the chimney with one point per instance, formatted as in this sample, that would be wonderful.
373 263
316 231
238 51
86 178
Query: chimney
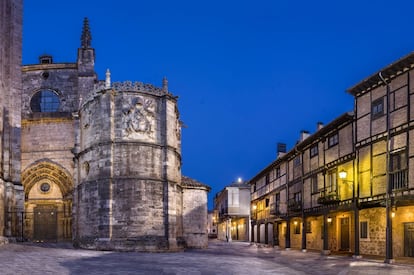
281 149
304 135
319 125
45 59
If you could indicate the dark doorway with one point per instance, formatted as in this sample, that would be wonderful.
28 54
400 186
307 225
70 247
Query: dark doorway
409 239
45 224
344 234
276 234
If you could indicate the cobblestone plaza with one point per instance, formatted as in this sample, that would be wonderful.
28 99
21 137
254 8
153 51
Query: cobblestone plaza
218 258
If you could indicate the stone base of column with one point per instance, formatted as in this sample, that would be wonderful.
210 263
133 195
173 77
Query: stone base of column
389 261
304 250
326 252
357 256
3 240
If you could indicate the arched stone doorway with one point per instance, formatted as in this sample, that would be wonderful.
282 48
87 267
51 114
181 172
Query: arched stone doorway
48 202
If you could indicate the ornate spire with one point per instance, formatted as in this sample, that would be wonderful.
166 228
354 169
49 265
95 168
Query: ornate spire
165 84
86 34
107 79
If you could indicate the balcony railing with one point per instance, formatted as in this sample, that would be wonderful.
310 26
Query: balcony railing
294 205
274 209
399 180
328 198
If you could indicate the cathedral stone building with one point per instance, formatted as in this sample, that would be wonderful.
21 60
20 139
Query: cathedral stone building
91 161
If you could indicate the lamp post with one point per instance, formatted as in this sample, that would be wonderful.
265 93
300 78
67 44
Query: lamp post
343 175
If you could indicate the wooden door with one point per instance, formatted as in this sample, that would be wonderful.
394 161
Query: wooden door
45 224
409 239
345 234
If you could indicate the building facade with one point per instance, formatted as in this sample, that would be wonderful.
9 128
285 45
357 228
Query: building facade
100 162
232 206
349 186
11 191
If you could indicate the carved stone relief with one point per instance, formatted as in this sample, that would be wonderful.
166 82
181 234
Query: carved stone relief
139 118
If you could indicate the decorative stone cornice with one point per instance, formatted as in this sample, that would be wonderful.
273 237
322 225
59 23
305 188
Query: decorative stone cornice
129 86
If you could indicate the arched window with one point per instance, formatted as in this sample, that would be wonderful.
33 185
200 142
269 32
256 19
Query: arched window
45 101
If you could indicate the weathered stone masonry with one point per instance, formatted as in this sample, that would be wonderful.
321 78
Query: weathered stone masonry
100 163
129 158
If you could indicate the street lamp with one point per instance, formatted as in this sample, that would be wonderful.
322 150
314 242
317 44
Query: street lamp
343 174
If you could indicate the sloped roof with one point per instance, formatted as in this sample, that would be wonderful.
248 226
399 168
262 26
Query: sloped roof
192 183
331 126
391 71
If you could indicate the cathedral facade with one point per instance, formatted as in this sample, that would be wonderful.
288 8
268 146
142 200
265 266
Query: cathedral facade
95 162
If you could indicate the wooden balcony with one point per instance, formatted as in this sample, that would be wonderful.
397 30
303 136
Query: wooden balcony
328 198
294 205
274 210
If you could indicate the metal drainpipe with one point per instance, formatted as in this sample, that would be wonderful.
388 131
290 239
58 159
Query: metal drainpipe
388 238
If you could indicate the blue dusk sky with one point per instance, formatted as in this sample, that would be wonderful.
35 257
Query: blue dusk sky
248 74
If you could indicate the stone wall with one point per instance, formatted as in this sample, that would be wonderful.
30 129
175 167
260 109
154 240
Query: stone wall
195 217
129 170
375 243
11 13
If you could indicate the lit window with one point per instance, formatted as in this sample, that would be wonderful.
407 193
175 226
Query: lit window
45 101
377 108
331 182
308 227
296 228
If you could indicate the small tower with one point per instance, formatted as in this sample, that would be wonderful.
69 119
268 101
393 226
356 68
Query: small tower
165 85
86 34
86 62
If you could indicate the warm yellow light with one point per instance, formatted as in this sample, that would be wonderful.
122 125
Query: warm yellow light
295 223
254 206
329 219
342 174
392 214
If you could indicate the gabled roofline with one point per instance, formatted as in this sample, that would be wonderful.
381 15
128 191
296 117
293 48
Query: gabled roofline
390 72
344 118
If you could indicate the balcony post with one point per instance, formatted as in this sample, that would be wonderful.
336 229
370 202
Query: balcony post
325 250
287 239
356 229
304 229
388 235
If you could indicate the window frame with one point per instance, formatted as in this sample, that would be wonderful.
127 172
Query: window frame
309 227
48 101
314 184
296 228
297 161
375 111
366 231
333 140
314 151
278 173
